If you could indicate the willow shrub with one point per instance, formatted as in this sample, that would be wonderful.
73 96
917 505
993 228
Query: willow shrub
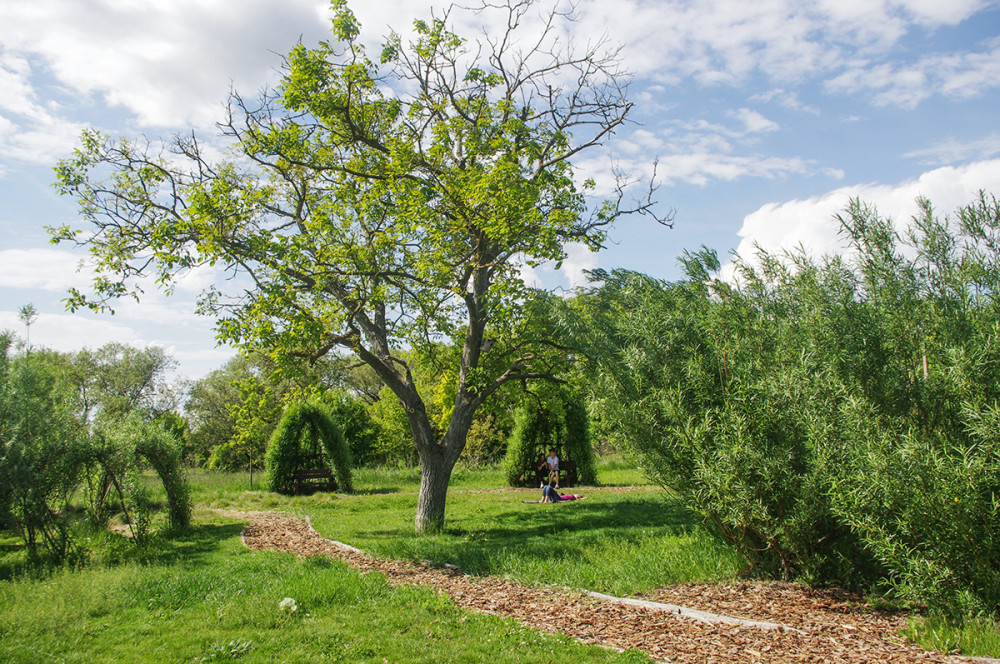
692 384
835 419
42 452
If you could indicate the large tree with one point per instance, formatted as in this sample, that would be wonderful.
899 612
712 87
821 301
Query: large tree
378 206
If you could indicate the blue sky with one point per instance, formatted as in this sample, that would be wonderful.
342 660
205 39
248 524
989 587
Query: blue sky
765 118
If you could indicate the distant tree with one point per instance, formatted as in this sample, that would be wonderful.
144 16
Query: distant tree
377 206
27 315
360 430
210 408
117 379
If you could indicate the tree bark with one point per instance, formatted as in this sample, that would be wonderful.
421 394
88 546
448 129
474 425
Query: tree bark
435 475
437 461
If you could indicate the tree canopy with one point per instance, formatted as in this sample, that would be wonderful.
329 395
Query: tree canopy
376 205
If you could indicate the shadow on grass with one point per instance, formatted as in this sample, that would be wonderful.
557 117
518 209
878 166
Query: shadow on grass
193 545
377 491
541 532
111 550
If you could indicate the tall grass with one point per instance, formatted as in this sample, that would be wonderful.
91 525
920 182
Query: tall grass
203 597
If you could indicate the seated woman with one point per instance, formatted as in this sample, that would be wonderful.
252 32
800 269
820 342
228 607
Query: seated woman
542 470
550 495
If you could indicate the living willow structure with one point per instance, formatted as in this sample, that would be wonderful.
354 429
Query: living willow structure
307 438
559 423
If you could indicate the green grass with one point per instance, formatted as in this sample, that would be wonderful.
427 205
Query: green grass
203 597
622 542
974 637
616 542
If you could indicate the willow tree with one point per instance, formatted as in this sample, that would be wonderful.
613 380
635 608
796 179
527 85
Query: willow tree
377 205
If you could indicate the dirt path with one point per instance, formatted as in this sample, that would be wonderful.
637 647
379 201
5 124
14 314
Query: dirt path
828 627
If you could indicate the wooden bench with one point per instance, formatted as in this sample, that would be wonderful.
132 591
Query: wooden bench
314 479
567 473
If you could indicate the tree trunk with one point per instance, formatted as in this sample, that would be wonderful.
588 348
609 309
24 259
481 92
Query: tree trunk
435 474
437 460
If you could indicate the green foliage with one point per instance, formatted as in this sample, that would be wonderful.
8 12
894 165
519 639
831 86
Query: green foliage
116 380
486 442
977 636
918 475
691 382
360 431
578 446
394 442
835 420
42 451
83 420
161 449
560 423
534 432
125 447
307 437
210 411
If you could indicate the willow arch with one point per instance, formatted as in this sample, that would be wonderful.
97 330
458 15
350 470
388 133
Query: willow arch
307 437
562 424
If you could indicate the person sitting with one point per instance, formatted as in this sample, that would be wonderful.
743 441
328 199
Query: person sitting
550 495
542 470
553 463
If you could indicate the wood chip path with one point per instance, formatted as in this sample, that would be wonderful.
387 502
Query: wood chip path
826 626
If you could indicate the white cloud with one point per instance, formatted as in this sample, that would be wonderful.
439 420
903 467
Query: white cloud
811 224
169 63
754 122
71 332
786 99
569 276
45 269
701 168
950 151
935 12
530 276
726 41
578 259
16 94
950 75
43 140
196 364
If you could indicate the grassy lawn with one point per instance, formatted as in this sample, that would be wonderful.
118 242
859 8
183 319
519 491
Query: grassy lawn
621 542
615 542
203 597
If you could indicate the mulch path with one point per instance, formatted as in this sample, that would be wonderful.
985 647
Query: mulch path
839 628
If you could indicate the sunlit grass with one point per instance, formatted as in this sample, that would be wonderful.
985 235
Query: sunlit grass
203 597
973 637
620 542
